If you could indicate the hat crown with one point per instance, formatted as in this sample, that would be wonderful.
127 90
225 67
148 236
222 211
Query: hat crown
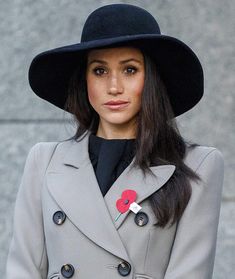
127 20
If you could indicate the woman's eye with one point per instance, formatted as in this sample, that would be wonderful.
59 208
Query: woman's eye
131 70
98 71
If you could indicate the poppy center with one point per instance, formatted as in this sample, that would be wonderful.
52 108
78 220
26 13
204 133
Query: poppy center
126 201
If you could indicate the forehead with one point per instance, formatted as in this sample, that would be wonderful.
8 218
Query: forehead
115 52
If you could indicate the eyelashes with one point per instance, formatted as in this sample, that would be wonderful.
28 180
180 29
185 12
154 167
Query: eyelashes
99 71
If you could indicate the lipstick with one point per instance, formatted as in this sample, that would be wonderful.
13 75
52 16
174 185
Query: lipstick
116 104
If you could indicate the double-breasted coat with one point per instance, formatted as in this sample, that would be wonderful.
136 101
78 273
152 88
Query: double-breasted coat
65 228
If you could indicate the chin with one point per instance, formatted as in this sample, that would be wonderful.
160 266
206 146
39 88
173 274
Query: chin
117 119
120 122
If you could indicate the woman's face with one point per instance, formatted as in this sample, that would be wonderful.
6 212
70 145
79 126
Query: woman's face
115 75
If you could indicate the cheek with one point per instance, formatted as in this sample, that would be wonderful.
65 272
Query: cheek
137 88
91 95
92 90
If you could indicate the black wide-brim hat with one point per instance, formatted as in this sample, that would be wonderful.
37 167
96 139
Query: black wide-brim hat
114 25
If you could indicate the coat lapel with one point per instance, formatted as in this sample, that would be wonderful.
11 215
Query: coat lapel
74 186
135 180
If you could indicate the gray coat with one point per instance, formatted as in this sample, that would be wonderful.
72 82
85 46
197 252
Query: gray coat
65 228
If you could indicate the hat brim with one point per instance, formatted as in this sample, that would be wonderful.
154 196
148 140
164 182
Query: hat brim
179 67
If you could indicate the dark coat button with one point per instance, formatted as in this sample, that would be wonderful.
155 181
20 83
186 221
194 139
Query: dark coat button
67 270
59 217
141 218
124 268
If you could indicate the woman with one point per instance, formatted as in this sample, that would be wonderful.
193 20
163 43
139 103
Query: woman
126 196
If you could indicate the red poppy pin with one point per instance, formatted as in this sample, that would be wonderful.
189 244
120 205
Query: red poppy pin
126 202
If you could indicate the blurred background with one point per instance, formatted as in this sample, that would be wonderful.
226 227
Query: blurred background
29 27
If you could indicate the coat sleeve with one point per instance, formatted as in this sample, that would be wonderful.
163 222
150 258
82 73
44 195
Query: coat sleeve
27 257
193 251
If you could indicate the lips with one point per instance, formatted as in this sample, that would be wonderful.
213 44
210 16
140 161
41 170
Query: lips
118 102
116 105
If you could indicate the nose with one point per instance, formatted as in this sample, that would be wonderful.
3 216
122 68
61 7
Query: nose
115 85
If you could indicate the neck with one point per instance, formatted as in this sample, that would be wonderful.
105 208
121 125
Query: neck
115 132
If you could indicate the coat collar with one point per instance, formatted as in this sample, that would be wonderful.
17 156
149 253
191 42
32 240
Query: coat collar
74 186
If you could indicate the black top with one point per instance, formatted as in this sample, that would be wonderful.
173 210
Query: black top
109 158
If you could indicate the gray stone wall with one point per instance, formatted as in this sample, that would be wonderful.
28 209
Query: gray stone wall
29 27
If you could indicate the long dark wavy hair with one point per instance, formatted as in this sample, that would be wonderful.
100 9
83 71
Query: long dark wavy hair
158 140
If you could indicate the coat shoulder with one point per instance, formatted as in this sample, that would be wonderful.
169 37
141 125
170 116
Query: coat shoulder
55 154
39 156
196 155
44 149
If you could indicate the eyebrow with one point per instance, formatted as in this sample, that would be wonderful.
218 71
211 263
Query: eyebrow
121 62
